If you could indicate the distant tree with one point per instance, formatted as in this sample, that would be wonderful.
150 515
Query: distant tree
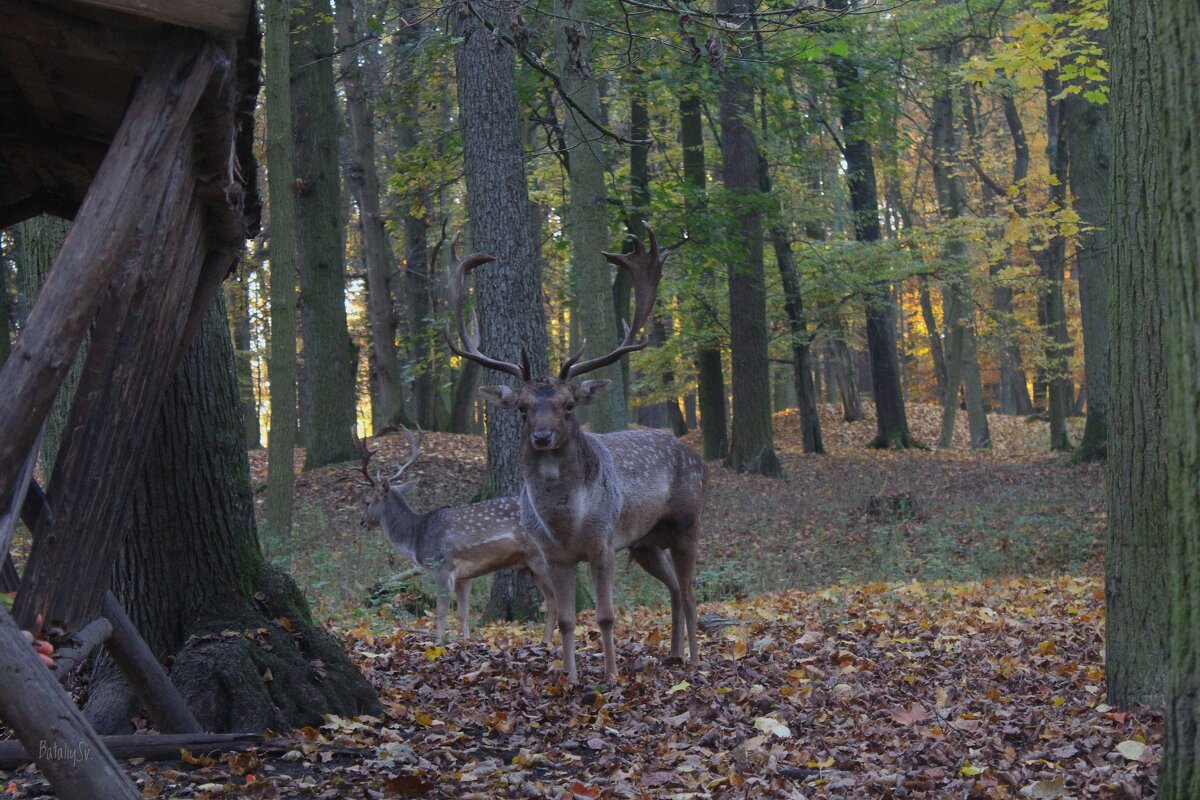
751 446
387 406
281 364
587 212
1136 556
328 379
890 418
710 378
1087 132
191 570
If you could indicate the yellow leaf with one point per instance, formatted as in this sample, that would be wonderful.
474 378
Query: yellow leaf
434 653
679 687
969 770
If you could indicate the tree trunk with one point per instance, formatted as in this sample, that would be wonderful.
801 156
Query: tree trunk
587 213
751 447
890 419
1087 130
1051 261
6 306
190 571
1136 560
507 293
378 258
328 379
281 367
958 312
237 299
710 379
1180 104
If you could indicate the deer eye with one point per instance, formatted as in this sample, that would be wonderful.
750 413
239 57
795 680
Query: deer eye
570 406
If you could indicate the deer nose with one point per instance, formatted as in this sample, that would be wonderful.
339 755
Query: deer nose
542 438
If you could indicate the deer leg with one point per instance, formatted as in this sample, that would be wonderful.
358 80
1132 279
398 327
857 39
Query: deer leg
443 609
562 578
602 581
683 554
655 562
462 600
539 572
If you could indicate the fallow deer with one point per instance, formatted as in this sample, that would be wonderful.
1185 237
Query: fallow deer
456 543
588 495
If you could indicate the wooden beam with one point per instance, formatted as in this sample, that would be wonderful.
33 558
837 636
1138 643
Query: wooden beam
220 17
130 180
125 375
50 728
149 680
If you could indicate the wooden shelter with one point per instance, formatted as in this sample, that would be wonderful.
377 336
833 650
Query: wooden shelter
134 118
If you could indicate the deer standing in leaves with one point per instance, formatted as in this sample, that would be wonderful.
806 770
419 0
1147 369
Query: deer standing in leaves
588 495
456 543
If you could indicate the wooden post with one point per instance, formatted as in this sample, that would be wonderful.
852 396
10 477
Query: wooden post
132 176
134 340
149 680
45 719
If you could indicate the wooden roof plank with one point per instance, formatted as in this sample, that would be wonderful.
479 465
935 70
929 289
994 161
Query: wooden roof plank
220 17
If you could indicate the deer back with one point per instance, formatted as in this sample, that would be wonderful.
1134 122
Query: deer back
661 482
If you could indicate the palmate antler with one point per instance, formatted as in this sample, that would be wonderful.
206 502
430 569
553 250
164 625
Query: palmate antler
364 455
645 267
456 285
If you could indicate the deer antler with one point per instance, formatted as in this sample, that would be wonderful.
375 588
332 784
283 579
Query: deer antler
456 284
363 453
645 267
414 449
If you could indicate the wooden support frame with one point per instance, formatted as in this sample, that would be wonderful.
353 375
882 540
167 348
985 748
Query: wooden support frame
137 165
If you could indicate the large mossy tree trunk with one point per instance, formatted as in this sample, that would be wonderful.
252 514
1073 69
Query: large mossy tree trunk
236 633
508 292
751 444
1136 557
281 365
1179 59
891 421
710 379
328 378
587 212
1087 131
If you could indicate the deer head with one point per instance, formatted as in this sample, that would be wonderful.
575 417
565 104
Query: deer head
381 486
547 403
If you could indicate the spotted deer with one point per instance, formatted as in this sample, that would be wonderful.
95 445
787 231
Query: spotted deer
586 495
456 543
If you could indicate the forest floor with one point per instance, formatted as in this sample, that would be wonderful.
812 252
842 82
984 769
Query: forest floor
875 625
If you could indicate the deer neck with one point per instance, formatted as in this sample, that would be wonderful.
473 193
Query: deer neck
401 524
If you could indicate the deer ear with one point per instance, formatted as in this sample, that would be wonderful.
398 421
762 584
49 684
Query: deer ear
502 396
589 392
406 487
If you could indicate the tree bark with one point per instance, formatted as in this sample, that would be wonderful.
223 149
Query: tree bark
363 177
328 379
890 418
1178 60
587 212
710 378
508 292
1087 132
1136 558
751 447
190 571
281 367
